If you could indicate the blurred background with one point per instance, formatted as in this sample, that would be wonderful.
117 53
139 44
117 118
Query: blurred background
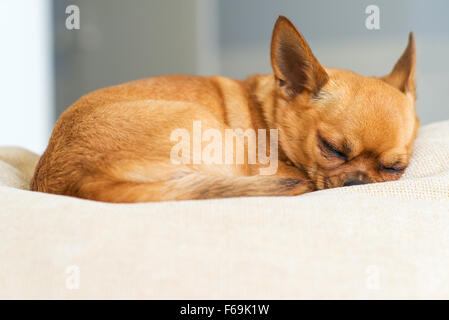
45 67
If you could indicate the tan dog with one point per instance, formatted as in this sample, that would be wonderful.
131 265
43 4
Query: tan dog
336 128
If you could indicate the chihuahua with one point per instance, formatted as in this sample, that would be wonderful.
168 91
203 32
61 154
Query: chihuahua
333 128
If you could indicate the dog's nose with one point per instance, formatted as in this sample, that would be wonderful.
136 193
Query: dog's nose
353 182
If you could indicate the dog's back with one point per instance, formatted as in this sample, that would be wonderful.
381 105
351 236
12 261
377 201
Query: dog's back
114 144
121 124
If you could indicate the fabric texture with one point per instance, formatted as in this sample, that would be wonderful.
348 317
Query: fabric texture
16 167
386 240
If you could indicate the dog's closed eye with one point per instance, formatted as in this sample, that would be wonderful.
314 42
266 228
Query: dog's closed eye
330 149
393 169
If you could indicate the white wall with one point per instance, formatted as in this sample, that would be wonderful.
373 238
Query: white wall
25 73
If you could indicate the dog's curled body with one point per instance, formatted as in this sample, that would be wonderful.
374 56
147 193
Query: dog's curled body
335 128
114 144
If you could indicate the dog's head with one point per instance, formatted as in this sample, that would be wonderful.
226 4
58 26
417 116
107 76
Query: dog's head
342 128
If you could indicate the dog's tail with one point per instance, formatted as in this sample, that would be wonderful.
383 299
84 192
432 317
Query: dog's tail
190 186
157 181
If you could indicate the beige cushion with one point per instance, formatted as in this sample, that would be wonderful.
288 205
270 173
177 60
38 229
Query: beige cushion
16 167
388 240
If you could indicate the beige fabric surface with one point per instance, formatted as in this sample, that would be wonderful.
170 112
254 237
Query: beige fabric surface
16 167
388 240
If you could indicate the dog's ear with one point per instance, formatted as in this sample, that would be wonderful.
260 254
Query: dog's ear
403 74
295 67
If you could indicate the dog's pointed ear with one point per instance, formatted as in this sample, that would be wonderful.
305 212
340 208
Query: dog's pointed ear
403 74
295 67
